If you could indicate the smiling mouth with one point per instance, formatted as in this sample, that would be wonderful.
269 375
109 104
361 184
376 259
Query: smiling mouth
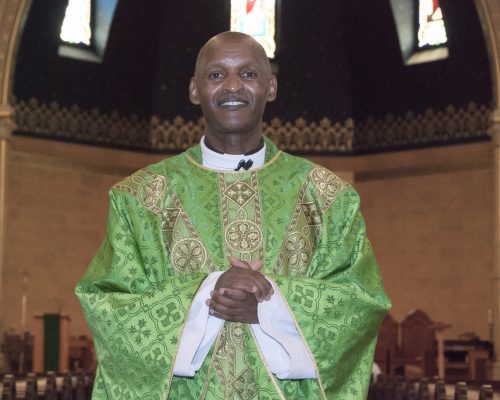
232 103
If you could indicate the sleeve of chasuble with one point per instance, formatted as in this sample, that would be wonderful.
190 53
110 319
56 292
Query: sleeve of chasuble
339 303
134 305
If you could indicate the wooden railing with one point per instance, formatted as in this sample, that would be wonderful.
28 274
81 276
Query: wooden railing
49 387
398 388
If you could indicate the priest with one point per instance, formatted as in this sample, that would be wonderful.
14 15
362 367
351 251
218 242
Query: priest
233 270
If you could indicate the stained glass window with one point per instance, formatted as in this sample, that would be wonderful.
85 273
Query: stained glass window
256 18
431 31
76 25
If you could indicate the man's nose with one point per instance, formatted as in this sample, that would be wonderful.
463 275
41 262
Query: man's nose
233 83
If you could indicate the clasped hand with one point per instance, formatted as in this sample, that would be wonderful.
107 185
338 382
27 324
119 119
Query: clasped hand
238 291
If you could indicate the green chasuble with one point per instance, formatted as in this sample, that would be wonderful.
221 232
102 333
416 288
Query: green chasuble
174 222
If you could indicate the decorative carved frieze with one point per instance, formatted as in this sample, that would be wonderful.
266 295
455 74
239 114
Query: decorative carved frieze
174 136
299 136
74 124
311 137
450 125
431 127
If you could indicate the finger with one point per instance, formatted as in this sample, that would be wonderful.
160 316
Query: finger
234 294
269 288
255 265
248 285
264 288
254 285
245 279
235 262
249 304
247 319
218 299
231 307
216 307
218 315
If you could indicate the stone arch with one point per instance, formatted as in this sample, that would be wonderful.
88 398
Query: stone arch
489 13
12 15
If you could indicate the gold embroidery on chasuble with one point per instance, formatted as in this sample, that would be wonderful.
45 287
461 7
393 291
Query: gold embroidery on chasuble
316 195
187 252
145 186
242 223
185 248
241 216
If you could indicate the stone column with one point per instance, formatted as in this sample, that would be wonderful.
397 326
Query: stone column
489 12
12 16
495 132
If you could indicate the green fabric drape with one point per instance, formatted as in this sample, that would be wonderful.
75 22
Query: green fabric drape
51 339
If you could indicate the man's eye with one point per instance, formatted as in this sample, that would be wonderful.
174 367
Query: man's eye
249 74
215 75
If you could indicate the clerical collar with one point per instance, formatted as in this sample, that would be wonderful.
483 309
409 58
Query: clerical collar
230 162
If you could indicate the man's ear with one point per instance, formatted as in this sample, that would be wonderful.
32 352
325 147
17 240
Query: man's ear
273 88
193 92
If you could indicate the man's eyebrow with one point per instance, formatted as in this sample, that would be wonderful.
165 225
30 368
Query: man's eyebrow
253 65
210 66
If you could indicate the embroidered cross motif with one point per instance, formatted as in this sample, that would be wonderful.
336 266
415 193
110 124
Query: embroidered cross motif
244 236
304 296
326 181
168 314
245 386
188 255
151 191
327 337
239 192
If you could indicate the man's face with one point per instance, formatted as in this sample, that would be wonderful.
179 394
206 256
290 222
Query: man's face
232 84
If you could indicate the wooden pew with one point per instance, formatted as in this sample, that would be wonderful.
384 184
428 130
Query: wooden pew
31 392
73 387
9 387
67 388
460 391
486 392
420 352
418 339
80 389
440 390
387 345
398 388
50 386
423 390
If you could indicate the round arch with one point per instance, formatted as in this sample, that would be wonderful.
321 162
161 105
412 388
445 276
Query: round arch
489 13
12 14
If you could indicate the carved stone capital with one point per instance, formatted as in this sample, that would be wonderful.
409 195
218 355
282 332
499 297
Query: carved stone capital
7 124
494 130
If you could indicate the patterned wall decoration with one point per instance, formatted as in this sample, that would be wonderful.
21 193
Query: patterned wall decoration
431 127
391 132
299 136
74 124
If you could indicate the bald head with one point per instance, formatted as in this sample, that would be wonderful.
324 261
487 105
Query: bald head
233 83
236 39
